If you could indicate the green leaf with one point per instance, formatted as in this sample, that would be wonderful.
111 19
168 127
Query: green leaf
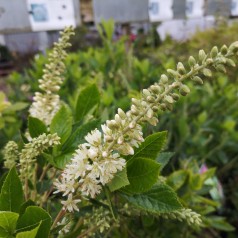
8 221
164 158
161 198
219 223
78 135
11 196
177 179
24 206
29 234
33 217
16 107
61 160
120 180
62 123
152 145
87 99
36 127
142 175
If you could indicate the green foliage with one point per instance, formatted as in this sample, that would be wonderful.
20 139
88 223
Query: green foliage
120 180
151 147
161 198
62 123
32 218
137 171
11 196
36 127
8 221
202 129
87 99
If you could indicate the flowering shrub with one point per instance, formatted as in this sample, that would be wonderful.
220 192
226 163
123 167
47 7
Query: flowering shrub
68 179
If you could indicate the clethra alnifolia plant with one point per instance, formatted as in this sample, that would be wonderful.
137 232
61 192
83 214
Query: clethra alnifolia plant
114 174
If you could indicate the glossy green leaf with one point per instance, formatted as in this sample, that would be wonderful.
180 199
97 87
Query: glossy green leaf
29 234
142 175
152 145
120 180
87 99
11 196
36 127
61 160
8 222
161 198
33 217
177 179
78 135
164 158
62 123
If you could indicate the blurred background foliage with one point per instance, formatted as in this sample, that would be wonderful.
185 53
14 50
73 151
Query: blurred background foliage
202 128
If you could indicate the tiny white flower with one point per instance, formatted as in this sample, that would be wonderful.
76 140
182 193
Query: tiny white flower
94 138
71 204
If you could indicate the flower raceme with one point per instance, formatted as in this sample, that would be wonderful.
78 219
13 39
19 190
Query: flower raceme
45 105
95 162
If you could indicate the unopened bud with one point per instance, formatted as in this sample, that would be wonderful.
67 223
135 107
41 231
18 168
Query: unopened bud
209 61
121 113
117 119
180 68
163 106
197 80
168 99
224 49
221 68
233 47
191 61
184 90
214 52
146 92
164 79
175 96
201 55
150 99
230 62
207 72
155 89
150 113
173 73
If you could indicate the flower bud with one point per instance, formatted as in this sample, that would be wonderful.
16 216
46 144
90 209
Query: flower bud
169 106
163 107
173 73
146 92
150 99
233 47
197 80
117 119
201 55
221 68
214 52
184 90
155 89
180 68
164 79
209 61
230 62
191 61
175 96
224 49
150 113
121 113
207 72
168 99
